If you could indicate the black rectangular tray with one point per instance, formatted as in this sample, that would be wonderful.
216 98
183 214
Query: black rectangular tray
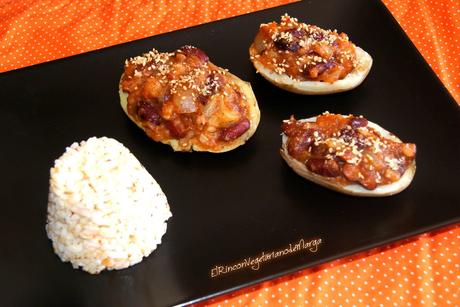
231 208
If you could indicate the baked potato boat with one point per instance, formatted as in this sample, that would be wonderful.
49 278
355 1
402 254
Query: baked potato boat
306 59
182 99
348 154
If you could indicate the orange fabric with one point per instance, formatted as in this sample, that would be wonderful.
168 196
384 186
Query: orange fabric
434 28
421 271
34 31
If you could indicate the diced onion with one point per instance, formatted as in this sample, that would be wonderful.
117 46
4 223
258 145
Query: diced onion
185 104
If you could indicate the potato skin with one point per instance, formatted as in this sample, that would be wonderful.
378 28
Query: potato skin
352 189
352 80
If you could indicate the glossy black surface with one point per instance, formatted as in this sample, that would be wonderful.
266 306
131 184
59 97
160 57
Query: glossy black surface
230 206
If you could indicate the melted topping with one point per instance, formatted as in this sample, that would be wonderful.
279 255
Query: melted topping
304 52
183 96
346 149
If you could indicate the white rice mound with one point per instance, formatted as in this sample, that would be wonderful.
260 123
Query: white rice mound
105 211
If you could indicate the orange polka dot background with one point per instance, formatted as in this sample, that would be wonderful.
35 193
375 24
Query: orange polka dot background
38 31
423 271
434 28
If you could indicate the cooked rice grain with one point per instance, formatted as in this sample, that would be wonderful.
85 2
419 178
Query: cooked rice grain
105 211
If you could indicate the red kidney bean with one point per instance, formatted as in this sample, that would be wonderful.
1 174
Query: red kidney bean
361 143
322 67
351 171
147 112
357 122
298 146
176 129
283 44
369 182
318 36
235 130
297 33
348 134
193 51
323 167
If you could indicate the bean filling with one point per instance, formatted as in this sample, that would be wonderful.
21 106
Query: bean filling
347 149
304 52
182 95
